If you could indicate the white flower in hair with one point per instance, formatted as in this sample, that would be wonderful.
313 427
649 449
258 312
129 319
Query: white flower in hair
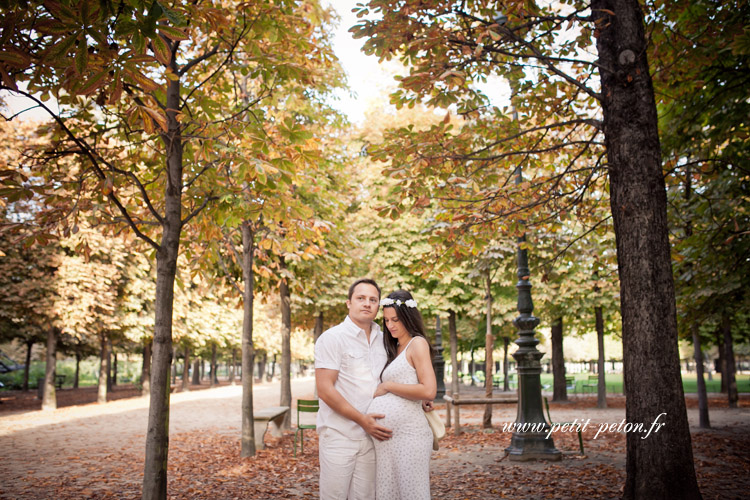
389 302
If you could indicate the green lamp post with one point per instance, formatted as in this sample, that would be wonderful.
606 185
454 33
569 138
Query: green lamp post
531 441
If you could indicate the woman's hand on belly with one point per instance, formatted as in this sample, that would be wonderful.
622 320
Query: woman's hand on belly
382 390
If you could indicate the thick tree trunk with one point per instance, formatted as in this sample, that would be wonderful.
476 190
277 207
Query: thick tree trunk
729 366
77 375
703 419
489 343
214 378
660 466
103 386
146 369
186 370
248 354
27 365
601 387
454 359
157 437
285 398
559 389
49 396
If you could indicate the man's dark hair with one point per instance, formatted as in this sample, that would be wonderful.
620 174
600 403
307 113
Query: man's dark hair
368 281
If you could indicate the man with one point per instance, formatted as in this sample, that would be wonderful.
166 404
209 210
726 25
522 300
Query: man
348 360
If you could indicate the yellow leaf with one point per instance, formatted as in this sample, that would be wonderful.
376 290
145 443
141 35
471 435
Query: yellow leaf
158 117
161 51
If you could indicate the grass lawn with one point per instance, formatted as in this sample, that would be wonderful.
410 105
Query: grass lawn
689 382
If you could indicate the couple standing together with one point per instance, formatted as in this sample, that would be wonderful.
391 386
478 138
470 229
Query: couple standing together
374 386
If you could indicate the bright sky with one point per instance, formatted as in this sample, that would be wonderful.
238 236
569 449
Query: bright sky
367 79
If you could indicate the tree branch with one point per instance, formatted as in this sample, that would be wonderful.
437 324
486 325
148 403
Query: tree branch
86 150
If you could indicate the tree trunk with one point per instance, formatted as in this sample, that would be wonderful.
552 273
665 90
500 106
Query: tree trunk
77 375
729 365
489 343
472 368
233 368
101 395
27 365
318 329
720 363
285 398
601 387
214 378
662 465
114 367
506 382
49 396
186 370
262 366
454 359
559 389
109 364
157 437
146 369
704 421
248 354
197 365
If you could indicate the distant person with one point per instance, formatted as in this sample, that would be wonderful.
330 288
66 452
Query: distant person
348 361
408 379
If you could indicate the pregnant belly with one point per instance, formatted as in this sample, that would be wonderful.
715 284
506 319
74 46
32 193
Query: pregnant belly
398 411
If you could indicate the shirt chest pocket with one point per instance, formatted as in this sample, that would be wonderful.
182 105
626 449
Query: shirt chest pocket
356 363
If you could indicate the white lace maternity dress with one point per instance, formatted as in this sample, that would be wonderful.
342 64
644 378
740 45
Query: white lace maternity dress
403 462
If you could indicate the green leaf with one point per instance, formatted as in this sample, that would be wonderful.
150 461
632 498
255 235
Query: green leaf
172 33
82 55
93 83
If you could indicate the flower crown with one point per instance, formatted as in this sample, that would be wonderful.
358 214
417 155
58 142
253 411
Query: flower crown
389 302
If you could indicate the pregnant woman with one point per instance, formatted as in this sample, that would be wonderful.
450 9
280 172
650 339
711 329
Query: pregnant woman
403 462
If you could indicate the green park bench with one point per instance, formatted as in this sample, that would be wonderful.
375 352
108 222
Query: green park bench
578 429
458 401
264 418
591 384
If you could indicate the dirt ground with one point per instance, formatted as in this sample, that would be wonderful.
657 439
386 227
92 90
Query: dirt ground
88 450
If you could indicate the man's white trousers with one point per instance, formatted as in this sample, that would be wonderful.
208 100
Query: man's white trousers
347 467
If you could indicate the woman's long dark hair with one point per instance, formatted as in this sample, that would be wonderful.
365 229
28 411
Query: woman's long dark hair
409 317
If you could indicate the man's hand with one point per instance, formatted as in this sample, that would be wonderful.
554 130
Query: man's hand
370 425
427 405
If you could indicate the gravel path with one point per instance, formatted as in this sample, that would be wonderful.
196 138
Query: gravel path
83 443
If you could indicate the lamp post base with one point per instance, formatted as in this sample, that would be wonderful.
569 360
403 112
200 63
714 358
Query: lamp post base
532 446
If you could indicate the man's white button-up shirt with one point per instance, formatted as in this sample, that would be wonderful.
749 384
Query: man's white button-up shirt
345 348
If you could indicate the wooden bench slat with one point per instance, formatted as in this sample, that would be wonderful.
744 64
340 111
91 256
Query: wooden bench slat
480 401
471 401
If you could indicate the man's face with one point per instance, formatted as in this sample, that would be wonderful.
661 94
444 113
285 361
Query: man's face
364 304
